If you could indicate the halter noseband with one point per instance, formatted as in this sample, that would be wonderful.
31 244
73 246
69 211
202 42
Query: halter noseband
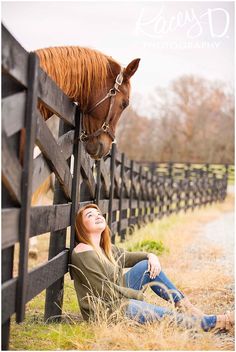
105 128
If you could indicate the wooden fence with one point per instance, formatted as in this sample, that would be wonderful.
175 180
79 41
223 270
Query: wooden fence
127 192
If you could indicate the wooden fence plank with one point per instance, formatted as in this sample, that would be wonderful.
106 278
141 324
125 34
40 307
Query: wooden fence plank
55 99
39 279
13 113
87 173
58 218
44 276
14 57
8 299
10 226
41 168
104 205
11 170
10 84
105 174
54 154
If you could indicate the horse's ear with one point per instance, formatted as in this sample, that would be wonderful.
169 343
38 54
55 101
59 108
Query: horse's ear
131 69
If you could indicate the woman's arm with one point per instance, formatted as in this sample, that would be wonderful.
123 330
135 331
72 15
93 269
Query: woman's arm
154 266
92 275
129 259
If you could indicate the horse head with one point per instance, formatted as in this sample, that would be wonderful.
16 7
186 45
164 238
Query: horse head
104 110
99 85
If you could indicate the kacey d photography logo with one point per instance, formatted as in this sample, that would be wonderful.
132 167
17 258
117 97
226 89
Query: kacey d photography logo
184 29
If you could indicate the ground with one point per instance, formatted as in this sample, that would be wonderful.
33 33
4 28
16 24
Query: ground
199 259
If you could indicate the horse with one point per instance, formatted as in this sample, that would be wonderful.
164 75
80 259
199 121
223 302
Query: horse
98 84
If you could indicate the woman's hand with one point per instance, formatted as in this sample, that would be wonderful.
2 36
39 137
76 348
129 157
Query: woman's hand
154 266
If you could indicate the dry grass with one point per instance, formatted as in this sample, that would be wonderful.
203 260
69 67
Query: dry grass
190 263
195 270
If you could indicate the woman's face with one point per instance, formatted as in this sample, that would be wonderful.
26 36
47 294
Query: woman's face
93 220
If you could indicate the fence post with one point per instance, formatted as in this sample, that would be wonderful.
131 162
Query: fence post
76 178
111 195
121 234
131 191
226 178
154 190
139 196
26 185
98 183
207 184
158 196
170 182
146 198
7 270
55 292
187 186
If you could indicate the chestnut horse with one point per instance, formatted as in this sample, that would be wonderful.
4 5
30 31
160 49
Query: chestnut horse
98 84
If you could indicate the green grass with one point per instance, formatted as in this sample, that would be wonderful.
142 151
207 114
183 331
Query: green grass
35 334
31 335
153 231
156 247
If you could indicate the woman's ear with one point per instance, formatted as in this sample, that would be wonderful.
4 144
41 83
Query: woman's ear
131 69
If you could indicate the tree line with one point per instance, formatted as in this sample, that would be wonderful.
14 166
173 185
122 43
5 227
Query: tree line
192 120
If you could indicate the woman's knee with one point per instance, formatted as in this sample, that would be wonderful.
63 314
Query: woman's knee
142 266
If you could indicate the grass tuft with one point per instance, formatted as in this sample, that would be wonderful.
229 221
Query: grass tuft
156 247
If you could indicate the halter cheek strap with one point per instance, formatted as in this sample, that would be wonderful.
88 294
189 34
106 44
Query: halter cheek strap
105 128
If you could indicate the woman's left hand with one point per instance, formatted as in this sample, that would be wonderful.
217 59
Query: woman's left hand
154 266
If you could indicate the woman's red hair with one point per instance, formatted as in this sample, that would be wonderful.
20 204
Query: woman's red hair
82 236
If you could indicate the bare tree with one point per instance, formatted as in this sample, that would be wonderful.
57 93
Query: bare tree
192 120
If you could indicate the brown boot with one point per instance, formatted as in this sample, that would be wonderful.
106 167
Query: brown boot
185 306
225 321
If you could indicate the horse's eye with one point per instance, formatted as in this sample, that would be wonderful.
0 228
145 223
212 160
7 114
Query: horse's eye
124 104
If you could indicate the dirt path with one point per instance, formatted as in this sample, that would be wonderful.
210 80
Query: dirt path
202 264
221 233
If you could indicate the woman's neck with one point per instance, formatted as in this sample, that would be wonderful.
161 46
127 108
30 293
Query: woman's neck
96 239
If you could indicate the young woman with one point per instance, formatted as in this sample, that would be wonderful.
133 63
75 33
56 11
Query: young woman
97 270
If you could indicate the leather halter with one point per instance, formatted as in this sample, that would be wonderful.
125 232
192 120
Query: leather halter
105 128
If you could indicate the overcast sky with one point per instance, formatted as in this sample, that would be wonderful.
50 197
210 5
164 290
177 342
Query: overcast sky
171 38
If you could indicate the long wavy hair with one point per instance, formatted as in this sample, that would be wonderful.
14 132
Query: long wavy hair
77 70
82 236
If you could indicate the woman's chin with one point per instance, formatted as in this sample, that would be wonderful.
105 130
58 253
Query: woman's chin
100 226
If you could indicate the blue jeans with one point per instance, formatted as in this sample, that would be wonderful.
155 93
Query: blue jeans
144 312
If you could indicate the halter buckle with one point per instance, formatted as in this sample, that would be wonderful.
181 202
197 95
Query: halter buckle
112 92
83 137
105 127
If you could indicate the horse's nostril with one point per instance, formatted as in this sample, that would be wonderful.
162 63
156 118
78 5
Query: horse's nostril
92 148
95 150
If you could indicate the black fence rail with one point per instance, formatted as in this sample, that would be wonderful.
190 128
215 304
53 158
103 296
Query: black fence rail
128 193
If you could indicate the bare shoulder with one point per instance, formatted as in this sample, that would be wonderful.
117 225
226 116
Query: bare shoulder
82 247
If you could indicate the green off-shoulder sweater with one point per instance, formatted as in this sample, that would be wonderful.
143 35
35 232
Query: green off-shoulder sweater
96 281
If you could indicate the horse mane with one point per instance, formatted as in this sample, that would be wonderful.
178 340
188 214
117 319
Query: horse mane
77 71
